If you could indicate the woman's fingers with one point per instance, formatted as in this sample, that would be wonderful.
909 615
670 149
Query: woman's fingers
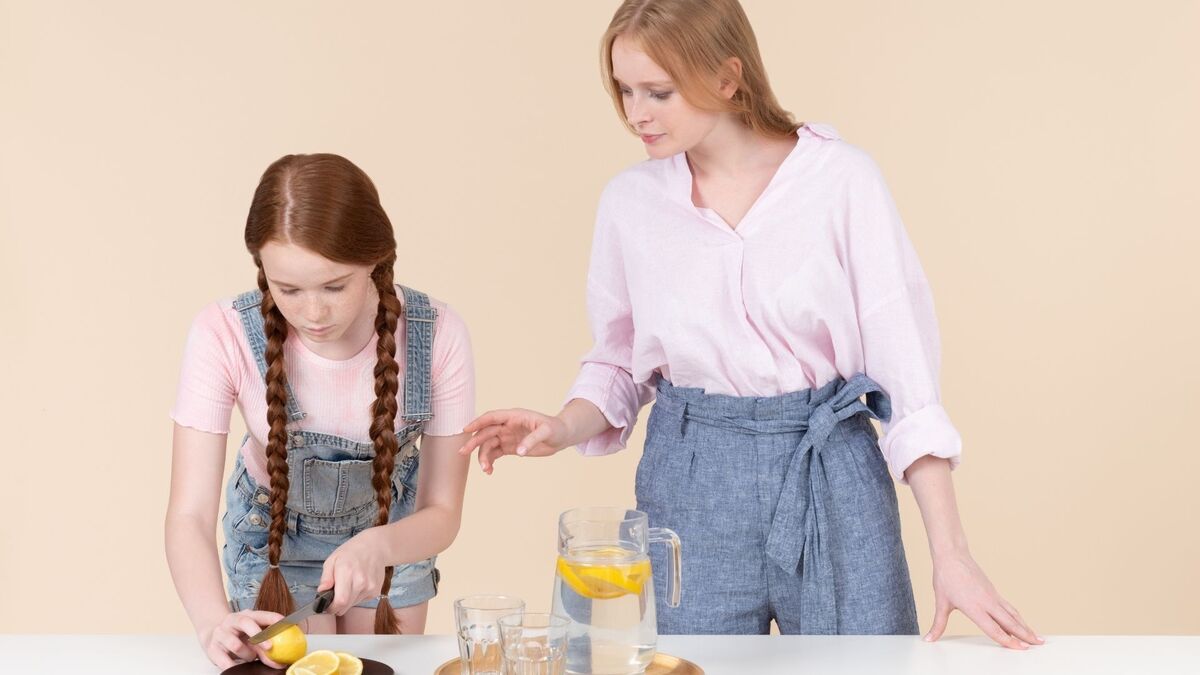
496 418
1021 620
993 630
479 438
486 419
539 435
1011 625
489 453
940 618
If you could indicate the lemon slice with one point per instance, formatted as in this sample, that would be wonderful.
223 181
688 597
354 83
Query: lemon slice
605 573
288 647
321 662
348 664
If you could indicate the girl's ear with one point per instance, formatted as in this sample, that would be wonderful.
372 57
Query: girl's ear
731 75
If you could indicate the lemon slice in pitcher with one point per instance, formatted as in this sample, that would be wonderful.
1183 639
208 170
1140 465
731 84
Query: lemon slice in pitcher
604 574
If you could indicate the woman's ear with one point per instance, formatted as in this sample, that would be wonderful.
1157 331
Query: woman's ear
731 75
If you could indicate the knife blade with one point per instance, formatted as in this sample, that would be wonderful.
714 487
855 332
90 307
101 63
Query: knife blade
317 606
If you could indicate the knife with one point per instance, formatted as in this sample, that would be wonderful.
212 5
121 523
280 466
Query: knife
318 605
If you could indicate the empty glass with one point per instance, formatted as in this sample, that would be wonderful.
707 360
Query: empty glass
534 643
476 618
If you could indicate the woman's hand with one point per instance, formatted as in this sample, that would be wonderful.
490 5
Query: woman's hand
959 583
514 432
225 643
354 570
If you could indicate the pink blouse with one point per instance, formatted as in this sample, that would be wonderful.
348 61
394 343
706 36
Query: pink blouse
819 280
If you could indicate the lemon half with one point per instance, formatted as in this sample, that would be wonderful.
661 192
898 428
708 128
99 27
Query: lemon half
288 647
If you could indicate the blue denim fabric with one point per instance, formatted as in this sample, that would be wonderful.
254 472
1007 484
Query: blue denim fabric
785 510
330 496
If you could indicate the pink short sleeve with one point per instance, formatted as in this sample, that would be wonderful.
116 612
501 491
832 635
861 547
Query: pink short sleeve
453 373
209 376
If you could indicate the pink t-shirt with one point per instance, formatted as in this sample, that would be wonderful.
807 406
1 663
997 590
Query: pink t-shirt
819 280
219 371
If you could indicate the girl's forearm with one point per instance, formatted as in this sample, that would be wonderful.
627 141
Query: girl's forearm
196 571
425 533
929 478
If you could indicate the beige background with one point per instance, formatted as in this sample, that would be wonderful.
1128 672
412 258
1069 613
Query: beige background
1043 156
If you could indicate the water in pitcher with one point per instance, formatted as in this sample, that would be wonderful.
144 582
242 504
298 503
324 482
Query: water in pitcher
608 593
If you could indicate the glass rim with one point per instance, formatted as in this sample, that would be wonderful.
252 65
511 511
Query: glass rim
498 601
543 620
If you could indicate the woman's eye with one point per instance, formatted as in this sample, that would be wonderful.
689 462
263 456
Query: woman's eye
334 289
660 95
290 291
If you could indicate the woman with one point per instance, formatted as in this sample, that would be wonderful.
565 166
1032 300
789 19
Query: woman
754 278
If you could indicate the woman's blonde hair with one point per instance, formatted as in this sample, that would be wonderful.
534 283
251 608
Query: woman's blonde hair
692 40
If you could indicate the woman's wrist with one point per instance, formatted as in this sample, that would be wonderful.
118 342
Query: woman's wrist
950 547
581 420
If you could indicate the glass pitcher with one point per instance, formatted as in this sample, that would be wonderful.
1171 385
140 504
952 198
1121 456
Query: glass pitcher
603 584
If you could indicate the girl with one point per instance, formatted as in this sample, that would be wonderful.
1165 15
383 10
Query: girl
324 491
754 277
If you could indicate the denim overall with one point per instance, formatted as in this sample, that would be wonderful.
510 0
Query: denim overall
785 510
330 495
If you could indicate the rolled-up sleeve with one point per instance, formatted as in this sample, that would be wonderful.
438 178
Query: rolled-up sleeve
606 375
897 323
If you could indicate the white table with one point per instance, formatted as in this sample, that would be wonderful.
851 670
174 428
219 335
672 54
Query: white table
718 655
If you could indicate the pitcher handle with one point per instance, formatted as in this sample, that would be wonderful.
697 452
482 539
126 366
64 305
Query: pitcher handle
663 535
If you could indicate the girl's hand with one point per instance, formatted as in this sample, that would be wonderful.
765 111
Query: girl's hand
959 583
514 432
225 643
355 571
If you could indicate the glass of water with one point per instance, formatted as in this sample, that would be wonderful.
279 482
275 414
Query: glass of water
475 617
534 643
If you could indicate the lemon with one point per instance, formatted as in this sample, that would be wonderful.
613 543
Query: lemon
320 662
604 574
288 647
348 664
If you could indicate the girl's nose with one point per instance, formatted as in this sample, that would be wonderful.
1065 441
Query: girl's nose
316 310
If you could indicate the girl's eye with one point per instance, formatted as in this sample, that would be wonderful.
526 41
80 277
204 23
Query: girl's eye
335 289
290 291
660 95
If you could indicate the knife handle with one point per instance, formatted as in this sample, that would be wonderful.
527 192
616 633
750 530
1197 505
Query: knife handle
322 601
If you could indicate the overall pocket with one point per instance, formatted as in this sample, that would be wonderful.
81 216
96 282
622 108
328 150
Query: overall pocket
326 486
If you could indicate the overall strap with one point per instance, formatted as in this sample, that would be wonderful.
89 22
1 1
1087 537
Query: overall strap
419 318
248 306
